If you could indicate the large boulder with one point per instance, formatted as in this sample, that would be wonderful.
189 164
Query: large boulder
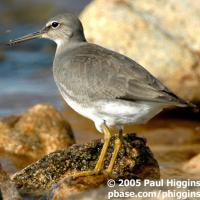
35 133
135 160
163 36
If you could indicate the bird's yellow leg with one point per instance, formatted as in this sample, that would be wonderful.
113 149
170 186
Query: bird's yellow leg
100 162
107 136
118 143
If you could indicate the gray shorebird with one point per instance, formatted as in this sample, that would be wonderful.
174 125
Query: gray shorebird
107 87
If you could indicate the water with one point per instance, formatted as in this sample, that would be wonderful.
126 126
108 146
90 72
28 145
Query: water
26 78
26 70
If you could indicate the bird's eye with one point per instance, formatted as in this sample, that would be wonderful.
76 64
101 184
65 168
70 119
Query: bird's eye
55 24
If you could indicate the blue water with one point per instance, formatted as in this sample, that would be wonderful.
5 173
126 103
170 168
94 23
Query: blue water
26 72
26 77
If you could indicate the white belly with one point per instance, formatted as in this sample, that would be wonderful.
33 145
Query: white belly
117 112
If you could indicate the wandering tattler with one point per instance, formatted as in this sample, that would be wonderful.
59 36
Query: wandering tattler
102 85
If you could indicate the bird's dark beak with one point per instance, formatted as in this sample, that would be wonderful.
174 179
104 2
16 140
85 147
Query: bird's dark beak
30 36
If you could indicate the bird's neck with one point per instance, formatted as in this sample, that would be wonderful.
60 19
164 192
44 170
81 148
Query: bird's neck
69 43
63 46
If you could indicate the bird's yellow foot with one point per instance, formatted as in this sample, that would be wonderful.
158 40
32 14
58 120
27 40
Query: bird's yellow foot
99 166
86 173
100 162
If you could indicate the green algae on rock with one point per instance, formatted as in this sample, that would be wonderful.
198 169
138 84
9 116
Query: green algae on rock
135 160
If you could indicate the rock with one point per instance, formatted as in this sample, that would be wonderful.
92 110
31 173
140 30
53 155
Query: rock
193 166
171 132
73 186
132 193
8 189
135 160
35 133
163 36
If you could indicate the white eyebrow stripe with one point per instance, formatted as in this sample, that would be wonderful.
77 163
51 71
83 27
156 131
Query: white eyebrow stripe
50 22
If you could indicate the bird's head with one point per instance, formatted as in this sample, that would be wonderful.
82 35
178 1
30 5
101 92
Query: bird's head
61 29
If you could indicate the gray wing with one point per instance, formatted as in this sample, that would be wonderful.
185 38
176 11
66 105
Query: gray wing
105 74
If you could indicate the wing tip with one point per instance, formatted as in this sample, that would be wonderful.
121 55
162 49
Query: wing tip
183 103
